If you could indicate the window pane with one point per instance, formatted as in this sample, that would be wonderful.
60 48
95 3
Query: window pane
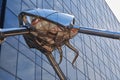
47 76
8 58
38 73
25 68
5 75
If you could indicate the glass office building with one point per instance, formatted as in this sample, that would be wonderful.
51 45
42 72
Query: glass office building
99 57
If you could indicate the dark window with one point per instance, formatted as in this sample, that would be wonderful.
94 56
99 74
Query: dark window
2 12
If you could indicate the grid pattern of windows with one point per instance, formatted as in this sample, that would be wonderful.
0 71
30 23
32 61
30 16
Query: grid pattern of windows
99 57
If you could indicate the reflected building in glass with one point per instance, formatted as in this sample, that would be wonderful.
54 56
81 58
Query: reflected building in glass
99 57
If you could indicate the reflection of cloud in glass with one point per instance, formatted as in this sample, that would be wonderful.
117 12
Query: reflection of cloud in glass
25 68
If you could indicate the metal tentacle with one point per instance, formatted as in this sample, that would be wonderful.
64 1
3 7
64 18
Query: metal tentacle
74 49
61 54
55 66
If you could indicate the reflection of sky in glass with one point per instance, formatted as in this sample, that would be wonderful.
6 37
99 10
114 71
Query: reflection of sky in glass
8 59
26 51
6 76
25 68
47 76
38 73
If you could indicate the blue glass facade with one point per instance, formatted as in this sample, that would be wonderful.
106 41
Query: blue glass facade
99 57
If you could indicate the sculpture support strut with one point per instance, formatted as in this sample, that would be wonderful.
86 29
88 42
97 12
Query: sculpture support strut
55 66
97 32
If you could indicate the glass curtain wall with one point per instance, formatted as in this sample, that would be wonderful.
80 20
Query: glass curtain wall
99 57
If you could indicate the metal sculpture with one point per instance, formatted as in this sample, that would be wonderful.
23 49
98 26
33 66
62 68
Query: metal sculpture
48 35
47 30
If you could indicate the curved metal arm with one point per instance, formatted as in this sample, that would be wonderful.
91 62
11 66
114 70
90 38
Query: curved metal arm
12 32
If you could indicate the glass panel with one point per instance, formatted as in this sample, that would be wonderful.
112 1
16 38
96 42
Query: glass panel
5 75
71 71
80 64
80 76
27 52
91 73
47 76
38 73
26 68
29 3
38 60
97 76
14 6
8 23
8 58
48 68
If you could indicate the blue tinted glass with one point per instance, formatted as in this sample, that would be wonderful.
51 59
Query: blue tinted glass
8 58
34 2
14 7
5 75
26 51
29 3
48 67
46 5
71 72
80 76
47 76
10 23
91 73
38 73
26 68
57 5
